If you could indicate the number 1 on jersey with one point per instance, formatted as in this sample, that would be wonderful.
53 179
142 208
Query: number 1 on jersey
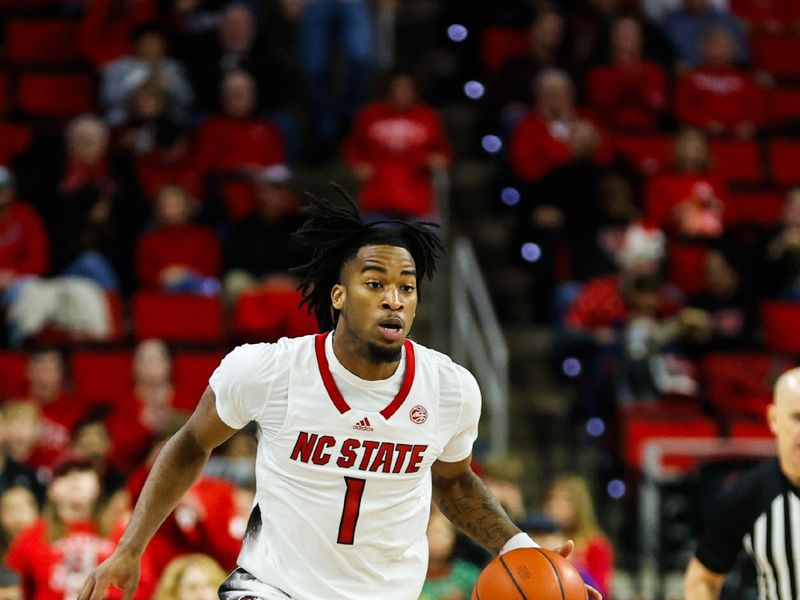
350 510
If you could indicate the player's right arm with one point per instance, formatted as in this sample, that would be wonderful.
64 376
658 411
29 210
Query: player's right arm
175 470
701 583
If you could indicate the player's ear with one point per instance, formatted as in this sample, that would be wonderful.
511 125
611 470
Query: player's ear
337 296
772 418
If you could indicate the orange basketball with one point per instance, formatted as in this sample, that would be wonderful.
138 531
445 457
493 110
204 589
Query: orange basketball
530 574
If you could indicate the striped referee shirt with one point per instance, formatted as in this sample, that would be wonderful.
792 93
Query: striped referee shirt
760 513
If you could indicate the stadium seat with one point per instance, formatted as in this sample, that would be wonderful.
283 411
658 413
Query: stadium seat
640 423
737 160
784 105
177 317
267 315
14 140
781 323
13 378
55 94
649 153
751 429
784 158
42 41
759 12
190 373
771 53
501 44
741 383
753 208
5 93
102 377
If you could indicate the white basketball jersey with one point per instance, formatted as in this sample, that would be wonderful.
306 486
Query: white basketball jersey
343 467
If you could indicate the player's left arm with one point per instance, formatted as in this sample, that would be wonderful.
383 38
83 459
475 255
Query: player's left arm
467 502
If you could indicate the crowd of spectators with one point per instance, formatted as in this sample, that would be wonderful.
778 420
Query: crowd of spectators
641 166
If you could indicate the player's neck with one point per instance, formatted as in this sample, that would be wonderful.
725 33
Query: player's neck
355 357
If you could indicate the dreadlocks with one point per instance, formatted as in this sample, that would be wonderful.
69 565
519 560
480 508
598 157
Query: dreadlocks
336 233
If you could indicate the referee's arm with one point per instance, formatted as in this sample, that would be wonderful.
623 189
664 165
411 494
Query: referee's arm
700 583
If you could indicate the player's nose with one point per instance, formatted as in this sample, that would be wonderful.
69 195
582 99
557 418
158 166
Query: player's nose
391 299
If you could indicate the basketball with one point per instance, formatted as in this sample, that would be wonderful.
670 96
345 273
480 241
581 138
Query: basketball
532 574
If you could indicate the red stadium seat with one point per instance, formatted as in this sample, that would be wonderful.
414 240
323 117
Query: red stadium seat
177 317
55 94
649 153
42 41
501 44
190 373
777 53
5 93
781 322
784 105
760 12
687 267
267 315
784 158
13 375
737 160
14 140
644 422
753 208
102 377
741 383
751 429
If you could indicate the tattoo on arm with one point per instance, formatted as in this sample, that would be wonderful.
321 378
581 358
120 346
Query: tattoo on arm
468 503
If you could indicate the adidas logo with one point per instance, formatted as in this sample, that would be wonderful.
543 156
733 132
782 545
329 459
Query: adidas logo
363 425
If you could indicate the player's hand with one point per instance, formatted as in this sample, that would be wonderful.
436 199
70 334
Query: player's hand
121 570
565 551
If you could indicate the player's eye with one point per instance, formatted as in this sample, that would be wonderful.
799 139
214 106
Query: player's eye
373 284
408 288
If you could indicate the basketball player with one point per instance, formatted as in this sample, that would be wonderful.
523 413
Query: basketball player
359 427
759 513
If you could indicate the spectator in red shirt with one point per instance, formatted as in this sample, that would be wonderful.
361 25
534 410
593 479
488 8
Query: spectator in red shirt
18 511
176 255
395 147
630 93
147 415
23 241
44 419
237 141
171 161
717 96
553 133
55 555
687 202
510 93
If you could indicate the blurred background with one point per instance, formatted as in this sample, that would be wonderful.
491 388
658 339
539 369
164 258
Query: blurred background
614 182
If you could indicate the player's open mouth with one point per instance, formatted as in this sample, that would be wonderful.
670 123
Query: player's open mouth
391 329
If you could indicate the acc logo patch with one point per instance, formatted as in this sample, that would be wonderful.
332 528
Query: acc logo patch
418 414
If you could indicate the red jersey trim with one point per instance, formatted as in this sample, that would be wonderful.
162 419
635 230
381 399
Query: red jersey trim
336 396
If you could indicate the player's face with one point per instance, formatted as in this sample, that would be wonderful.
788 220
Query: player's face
378 299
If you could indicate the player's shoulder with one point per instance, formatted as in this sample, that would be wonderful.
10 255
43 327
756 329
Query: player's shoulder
265 356
450 373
